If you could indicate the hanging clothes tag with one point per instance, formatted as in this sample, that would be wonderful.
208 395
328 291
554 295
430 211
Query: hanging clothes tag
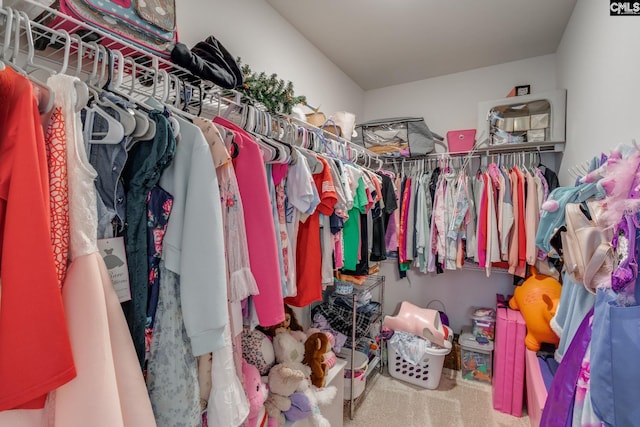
115 258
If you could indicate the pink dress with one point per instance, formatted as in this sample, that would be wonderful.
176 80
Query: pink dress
261 233
109 389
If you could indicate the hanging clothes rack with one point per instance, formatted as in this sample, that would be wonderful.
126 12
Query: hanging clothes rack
135 72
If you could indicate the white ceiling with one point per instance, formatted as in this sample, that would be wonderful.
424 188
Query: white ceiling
381 43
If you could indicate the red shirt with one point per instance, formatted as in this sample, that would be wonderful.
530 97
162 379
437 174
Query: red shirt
309 252
35 352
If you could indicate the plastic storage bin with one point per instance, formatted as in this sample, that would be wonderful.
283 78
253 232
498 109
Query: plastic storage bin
484 323
427 373
475 358
361 363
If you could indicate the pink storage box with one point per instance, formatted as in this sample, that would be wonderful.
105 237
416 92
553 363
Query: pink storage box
536 389
461 141
509 363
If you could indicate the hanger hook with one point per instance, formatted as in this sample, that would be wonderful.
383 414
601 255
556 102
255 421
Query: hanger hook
96 55
16 40
164 77
67 48
7 34
118 59
133 76
104 60
79 52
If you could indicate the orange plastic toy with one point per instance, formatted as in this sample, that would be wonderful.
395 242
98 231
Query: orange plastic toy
537 299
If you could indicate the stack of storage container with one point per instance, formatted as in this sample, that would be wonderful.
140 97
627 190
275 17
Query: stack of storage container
476 346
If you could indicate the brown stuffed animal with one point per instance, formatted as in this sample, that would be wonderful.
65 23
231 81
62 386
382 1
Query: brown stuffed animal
314 349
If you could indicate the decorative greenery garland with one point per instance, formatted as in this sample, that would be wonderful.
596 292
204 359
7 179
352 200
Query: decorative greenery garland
274 94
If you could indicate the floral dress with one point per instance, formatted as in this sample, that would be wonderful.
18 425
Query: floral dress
159 204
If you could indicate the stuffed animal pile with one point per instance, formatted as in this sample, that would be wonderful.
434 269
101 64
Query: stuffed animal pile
295 379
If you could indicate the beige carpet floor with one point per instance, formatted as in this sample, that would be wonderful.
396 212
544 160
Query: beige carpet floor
456 403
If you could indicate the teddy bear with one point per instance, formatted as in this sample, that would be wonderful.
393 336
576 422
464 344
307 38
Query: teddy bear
316 346
283 382
256 393
287 377
290 352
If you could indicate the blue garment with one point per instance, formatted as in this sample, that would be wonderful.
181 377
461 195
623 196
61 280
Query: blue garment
336 222
550 222
615 350
147 160
575 303
108 160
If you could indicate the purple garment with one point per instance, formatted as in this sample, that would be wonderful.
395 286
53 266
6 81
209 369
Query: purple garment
320 322
558 410
626 272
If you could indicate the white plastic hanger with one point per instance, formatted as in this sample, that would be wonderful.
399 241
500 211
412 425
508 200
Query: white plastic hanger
141 120
7 35
82 91
45 93
4 54
126 118
115 131
151 131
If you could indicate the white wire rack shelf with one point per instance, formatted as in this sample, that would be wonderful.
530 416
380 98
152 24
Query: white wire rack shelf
68 45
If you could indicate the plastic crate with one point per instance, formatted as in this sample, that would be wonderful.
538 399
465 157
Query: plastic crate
426 374
484 323
476 359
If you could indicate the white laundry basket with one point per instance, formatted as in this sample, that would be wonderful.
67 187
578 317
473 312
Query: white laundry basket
425 374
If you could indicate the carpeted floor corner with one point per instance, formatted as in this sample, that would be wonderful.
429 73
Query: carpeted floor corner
455 403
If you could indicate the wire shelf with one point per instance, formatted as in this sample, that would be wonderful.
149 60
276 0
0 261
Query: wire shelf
64 44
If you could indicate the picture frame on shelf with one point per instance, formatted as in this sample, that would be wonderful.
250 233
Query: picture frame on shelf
523 90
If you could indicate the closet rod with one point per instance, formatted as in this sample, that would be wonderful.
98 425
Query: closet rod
477 153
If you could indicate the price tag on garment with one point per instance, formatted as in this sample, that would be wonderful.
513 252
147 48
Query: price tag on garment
115 258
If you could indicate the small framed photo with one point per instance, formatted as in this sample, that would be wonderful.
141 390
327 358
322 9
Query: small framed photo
523 90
